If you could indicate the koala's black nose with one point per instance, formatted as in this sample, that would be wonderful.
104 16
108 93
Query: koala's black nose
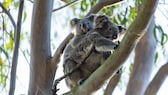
115 35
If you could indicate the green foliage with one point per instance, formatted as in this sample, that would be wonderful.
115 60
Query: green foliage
156 57
163 38
7 41
24 16
7 3
67 1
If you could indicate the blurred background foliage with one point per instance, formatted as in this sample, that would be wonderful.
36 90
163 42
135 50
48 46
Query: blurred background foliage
122 14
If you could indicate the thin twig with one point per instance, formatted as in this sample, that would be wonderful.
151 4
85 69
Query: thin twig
8 13
16 50
101 4
68 4
31 1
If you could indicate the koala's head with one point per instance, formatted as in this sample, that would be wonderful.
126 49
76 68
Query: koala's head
106 28
84 25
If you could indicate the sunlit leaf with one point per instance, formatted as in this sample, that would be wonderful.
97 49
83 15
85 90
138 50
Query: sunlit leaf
155 33
131 67
164 39
22 37
24 16
114 20
16 4
164 36
119 17
1 62
67 1
7 3
156 57
84 6
9 45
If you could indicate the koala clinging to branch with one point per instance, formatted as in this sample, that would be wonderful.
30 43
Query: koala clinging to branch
92 44
81 27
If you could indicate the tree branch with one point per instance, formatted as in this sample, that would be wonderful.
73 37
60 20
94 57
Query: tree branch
16 50
68 4
134 33
101 4
60 49
143 61
9 15
157 81
112 83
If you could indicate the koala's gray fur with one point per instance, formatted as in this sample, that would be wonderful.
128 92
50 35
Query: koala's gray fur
93 44
81 27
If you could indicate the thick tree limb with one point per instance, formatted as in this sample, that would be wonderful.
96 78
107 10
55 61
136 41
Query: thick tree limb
157 81
134 33
16 50
101 4
144 59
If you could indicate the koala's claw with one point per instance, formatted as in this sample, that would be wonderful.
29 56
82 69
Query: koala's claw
81 81
117 44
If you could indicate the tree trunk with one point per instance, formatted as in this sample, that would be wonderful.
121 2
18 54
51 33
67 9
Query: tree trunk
143 63
41 70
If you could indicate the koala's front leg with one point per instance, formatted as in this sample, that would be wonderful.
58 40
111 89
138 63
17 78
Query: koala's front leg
103 44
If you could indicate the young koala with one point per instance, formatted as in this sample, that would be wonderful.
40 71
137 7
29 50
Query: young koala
81 27
94 42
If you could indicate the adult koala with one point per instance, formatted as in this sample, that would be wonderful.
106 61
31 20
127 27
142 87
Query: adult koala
89 47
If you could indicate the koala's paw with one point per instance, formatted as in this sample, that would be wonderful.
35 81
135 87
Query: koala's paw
117 44
119 71
81 81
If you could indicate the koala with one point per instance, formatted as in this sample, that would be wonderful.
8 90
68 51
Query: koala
81 27
95 43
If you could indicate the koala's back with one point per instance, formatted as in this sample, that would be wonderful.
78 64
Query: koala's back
94 60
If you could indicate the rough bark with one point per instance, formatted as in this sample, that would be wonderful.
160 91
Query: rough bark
143 63
41 70
134 33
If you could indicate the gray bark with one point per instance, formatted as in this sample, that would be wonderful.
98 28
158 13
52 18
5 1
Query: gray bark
41 70
143 63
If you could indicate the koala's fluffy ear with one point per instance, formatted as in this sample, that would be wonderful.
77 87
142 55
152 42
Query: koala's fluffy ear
92 17
73 22
122 29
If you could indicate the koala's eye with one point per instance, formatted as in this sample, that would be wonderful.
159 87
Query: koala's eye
109 29
80 25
